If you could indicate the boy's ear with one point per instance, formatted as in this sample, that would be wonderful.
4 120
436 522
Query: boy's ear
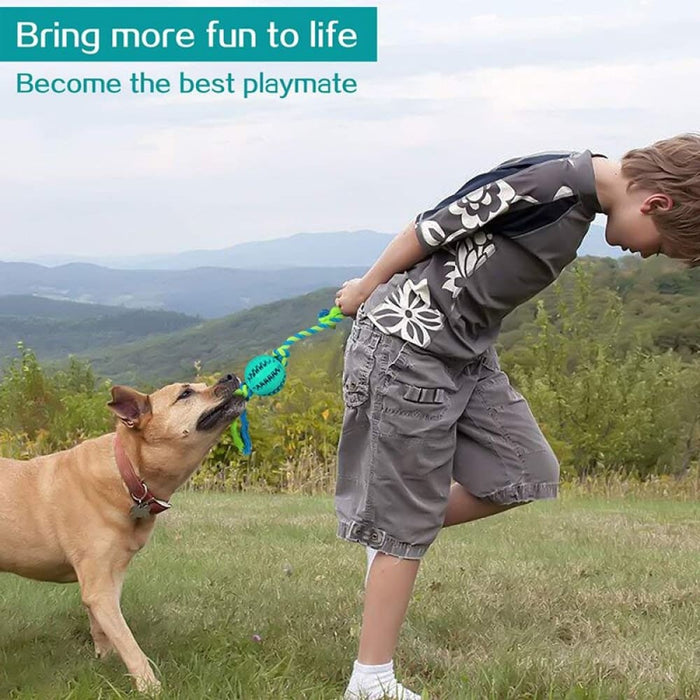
657 202
131 407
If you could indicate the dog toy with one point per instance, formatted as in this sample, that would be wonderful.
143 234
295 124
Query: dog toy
265 374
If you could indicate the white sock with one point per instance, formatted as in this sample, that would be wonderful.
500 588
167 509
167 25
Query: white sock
376 682
378 670
367 680
371 553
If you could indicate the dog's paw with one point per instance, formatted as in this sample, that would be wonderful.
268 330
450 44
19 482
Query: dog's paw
103 649
148 685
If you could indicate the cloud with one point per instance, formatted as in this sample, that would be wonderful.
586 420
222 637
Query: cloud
607 85
458 88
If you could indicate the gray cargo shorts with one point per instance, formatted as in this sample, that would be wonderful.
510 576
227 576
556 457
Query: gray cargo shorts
415 422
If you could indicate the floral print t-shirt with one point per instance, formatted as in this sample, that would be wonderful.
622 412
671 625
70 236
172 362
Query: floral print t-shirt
501 238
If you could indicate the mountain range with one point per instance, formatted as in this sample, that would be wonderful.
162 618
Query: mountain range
660 299
334 249
204 291
661 302
212 284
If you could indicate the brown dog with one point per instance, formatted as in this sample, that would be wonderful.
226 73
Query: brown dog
82 514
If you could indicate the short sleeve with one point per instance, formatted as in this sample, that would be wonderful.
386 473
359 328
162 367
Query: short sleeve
471 212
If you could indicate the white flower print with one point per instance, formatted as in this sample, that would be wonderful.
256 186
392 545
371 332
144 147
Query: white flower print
469 254
433 233
470 213
408 314
478 207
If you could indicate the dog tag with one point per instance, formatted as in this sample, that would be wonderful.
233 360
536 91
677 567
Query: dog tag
140 510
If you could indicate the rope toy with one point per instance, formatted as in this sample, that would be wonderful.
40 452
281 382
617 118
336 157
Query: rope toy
265 375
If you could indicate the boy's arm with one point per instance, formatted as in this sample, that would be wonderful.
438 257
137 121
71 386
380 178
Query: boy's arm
452 221
403 252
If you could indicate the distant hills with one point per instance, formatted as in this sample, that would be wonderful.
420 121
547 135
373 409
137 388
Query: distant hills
335 249
54 329
152 347
204 291
152 325
661 302
26 306
221 345
212 284
302 250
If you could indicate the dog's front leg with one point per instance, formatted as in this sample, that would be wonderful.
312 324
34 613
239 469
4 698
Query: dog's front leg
101 589
102 644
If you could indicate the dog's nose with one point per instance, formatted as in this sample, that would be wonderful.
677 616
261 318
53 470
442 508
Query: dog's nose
228 378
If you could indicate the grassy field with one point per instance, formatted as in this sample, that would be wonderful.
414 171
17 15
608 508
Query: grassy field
585 597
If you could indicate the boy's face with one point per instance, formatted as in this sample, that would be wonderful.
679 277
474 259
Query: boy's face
632 227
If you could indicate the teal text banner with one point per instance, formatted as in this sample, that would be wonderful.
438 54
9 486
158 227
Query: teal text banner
188 34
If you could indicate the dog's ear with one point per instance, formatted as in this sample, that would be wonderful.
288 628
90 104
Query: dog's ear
130 406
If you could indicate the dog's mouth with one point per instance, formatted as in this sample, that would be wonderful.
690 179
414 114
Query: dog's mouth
222 414
227 410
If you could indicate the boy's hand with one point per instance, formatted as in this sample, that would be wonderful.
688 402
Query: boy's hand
351 295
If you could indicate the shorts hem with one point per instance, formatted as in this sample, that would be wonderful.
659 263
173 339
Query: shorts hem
523 493
375 538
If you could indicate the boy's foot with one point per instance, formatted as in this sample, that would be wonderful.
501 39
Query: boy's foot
393 691
376 683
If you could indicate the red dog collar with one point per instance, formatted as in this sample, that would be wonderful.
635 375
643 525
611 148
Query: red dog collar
145 503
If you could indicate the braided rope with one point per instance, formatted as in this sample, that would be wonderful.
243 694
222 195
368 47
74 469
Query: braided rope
326 319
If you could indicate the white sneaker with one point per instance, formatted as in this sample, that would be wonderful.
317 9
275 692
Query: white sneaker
394 691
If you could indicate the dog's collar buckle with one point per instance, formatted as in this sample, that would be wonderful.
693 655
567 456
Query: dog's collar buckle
148 507
145 504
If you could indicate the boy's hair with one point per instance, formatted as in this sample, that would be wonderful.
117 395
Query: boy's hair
672 167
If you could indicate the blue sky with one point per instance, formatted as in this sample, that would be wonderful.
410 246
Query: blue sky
459 86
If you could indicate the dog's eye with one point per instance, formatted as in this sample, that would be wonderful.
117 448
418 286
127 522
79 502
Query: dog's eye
187 392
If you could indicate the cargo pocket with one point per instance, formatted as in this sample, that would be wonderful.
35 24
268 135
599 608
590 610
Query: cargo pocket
359 361
417 440
413 411
420 394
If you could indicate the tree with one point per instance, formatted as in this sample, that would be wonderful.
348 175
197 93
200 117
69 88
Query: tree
605 405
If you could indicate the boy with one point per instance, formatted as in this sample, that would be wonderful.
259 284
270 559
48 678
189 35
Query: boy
426 401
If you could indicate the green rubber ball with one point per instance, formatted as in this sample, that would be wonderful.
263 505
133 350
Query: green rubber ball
265 375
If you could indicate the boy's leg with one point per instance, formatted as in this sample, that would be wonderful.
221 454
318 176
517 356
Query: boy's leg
371 554
502 458
389 587
394 469
462 507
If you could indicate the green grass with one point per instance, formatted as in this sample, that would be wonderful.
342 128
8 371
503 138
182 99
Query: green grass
580 598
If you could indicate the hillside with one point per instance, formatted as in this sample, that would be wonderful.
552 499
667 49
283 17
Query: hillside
221 345
54 329
661 301
25 305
